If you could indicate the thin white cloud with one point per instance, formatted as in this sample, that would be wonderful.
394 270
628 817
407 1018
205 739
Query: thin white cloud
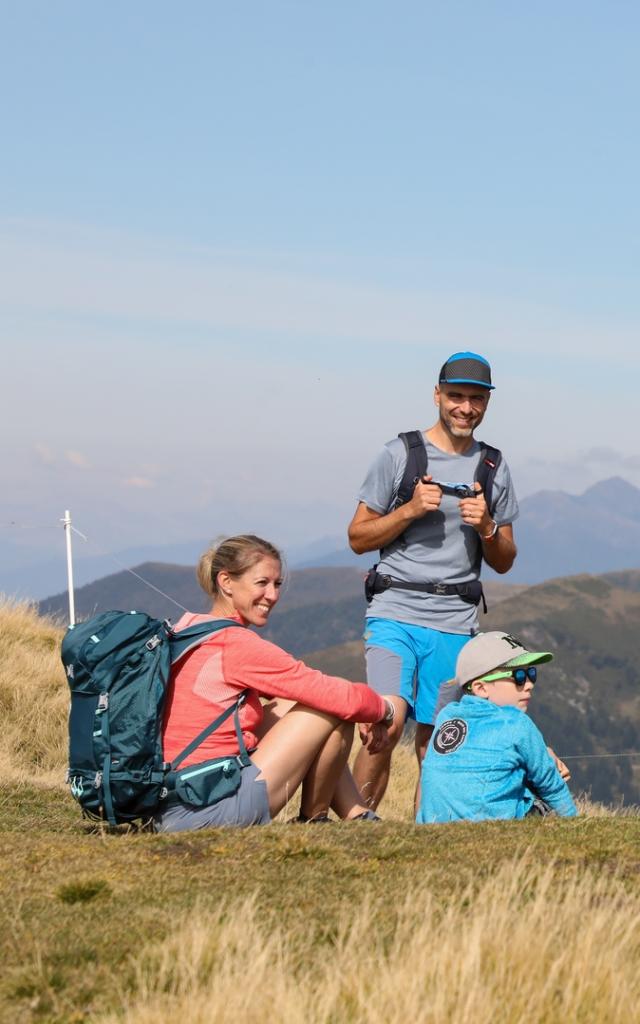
77 459
603 454
44 454
142 482
95 273
608 456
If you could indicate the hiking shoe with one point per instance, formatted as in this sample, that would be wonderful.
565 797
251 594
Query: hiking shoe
320 819
367 816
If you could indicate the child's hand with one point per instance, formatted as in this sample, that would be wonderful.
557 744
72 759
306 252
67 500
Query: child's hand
560 765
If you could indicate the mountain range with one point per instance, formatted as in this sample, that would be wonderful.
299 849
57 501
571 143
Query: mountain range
317 606
557 534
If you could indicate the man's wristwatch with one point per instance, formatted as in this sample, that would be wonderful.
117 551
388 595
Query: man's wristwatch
491 534
390 713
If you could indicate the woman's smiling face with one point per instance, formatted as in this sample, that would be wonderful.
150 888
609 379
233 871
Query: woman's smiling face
255 592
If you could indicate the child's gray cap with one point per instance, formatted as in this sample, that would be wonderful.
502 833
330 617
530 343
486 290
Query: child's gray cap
487 652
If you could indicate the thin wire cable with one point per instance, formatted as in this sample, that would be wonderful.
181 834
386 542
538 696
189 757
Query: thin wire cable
578 757
125 568
13 524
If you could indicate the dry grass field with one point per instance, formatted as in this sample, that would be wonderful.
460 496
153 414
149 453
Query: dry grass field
501 922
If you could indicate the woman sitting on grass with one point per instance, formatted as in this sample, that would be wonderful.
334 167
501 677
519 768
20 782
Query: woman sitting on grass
303 737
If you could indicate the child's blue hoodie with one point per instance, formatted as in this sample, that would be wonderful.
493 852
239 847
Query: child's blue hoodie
487 761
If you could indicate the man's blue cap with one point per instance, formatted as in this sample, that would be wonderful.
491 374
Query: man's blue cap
466 368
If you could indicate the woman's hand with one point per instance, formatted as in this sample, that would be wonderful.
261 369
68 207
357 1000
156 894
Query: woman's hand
374 736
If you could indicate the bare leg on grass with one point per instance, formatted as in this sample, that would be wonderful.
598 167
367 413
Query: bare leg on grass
371 771
348 801
423 735
325 773
288 750
343 795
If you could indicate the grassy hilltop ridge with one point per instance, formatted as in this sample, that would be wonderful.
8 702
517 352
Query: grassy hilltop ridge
587 702
317 924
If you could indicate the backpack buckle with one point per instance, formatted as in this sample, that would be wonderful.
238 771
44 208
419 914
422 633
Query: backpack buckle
440 588
153 643
103 703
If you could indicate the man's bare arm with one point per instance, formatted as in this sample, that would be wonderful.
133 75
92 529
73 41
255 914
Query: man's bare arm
500 551
369 530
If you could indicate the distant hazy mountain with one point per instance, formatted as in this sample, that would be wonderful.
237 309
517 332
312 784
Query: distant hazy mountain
561 534
174 588
318 607
26 574
557 534
46 576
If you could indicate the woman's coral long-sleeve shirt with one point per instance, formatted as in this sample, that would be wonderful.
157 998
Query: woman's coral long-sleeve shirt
211 677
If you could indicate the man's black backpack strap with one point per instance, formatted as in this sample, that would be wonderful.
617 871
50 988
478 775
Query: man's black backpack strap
490 459
415 467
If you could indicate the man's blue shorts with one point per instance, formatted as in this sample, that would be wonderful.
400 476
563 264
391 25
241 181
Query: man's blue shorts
410 662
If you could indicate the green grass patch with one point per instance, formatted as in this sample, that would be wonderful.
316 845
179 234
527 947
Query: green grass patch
79 904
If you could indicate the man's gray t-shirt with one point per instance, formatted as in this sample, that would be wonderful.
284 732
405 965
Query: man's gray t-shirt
437 548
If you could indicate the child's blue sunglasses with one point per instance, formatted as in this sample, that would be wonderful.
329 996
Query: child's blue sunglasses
519 675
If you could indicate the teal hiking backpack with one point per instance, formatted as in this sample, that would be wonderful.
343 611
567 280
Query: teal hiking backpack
118 666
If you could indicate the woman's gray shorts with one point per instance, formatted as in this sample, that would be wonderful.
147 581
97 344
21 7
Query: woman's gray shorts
249 805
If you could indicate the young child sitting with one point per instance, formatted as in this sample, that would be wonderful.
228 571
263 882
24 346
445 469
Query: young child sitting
487 759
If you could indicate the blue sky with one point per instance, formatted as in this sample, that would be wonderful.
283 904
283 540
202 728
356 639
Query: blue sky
239 240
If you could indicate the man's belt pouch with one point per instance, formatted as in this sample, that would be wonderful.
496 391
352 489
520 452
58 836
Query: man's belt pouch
201 785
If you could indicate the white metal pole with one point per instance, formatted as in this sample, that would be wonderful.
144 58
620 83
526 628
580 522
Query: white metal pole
67 530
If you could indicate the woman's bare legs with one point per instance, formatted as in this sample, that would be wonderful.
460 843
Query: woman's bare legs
293 746
321 790
325 772
347 799
272 711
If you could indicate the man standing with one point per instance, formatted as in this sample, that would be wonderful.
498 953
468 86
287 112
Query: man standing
433 531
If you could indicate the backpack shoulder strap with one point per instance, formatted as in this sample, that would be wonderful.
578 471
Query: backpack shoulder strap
234 710
181 644
191 637
415 466
490 459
